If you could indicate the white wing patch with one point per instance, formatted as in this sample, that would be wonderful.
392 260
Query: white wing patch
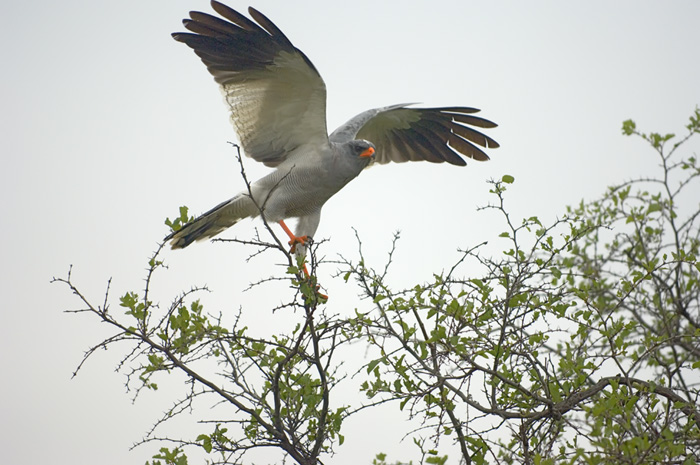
277 109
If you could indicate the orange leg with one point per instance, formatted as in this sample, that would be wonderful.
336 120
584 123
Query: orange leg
293 241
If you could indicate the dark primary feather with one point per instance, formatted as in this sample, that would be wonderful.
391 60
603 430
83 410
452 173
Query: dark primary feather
238 45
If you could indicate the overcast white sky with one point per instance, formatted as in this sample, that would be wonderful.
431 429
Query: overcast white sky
108 125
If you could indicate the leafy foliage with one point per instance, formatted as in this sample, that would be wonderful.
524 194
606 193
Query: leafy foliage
578 344
179 221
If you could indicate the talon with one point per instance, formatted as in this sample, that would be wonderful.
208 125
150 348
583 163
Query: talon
302 240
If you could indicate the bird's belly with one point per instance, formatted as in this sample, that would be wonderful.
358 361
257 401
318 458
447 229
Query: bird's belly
306 200
295 195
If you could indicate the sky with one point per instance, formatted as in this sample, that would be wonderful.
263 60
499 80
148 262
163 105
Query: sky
108 126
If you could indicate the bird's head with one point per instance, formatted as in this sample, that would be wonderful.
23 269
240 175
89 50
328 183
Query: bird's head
363 149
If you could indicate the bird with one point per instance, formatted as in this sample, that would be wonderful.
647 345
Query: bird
277 103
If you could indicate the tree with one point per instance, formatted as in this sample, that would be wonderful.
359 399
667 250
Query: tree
580 343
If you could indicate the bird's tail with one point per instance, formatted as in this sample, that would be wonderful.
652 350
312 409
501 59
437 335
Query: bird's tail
216 220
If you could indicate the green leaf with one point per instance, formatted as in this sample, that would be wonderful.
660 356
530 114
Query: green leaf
206 442
654 207
508 179
372 365
179 222
628 127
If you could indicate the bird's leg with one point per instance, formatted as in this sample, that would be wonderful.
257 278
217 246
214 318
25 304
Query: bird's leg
293 240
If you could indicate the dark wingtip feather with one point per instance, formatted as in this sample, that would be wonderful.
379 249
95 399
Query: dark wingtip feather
268 25
234 16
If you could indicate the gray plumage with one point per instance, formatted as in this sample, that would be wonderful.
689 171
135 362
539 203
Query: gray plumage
277 101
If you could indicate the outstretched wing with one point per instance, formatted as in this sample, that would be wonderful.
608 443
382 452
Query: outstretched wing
403 134
276 96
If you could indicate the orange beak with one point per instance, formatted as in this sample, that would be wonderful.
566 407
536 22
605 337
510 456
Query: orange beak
367 153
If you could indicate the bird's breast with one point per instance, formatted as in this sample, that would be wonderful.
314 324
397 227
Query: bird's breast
302 188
